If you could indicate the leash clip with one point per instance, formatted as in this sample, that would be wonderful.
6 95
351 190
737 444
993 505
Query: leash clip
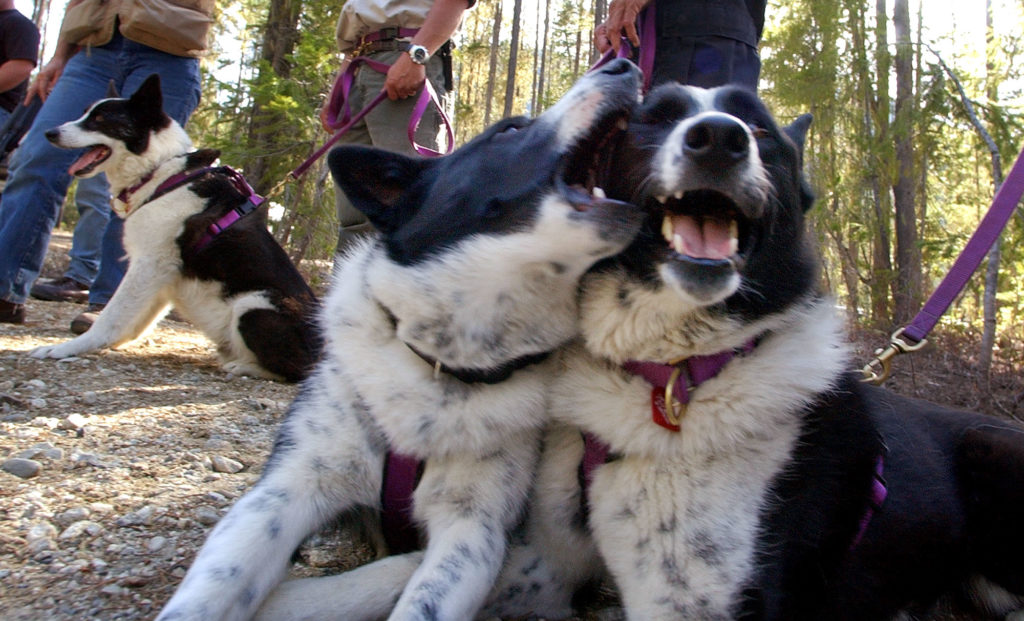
883 358
675 409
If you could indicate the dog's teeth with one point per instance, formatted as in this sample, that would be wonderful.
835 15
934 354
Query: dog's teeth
662 199
734 237
679 194
677 244
622 124
599 192
666 228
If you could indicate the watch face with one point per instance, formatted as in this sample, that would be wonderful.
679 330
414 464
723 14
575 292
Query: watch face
419 54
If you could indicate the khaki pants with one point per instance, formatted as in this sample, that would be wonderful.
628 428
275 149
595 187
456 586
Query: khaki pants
386 127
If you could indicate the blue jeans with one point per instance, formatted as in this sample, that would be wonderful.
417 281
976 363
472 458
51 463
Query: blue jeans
39 179
92 199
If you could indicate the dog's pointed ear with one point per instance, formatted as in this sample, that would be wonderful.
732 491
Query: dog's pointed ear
149 94
379 183
797 130
112 90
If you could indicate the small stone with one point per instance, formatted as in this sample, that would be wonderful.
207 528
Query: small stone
89 398
226 464
217 497
82 527
41 530
66 518
207 515
217 444
36 384
114 590
53 454
156 543
22 468
250 420
38 403
74 422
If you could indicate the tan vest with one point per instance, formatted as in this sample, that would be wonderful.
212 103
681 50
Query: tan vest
179 27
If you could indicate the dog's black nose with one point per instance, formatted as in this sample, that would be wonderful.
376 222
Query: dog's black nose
618 66
717 141
52 134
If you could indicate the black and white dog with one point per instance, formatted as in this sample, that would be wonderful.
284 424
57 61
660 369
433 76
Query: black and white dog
767 482
188 243
437 340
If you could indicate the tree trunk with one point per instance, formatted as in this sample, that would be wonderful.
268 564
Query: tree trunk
279 39
492 68
600 14
536 61
513 59
991 306
881 272
907 296
543 59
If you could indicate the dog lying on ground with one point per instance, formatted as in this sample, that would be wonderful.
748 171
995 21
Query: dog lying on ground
438 335
768 482
196 240
773 485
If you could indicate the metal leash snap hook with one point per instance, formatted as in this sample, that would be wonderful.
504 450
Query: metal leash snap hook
883 358
675 410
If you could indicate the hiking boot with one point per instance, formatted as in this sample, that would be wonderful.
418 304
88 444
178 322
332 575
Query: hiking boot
11 312
83 321
63 289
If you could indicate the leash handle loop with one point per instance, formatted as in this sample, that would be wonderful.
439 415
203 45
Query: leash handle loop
340 118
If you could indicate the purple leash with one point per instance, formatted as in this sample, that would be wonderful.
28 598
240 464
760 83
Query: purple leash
340 118
912 336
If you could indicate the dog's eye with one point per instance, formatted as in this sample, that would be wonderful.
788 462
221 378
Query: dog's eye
758 131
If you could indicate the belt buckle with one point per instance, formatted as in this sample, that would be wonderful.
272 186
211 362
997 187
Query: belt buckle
389 32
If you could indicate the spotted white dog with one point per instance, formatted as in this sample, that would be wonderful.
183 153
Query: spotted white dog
437 340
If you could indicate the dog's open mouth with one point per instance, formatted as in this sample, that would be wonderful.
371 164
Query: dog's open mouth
93 157
703 226
585 169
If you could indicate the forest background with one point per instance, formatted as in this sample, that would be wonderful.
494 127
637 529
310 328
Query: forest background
918 108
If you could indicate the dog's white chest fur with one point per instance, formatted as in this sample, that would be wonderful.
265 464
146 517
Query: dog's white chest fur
423 414
676 514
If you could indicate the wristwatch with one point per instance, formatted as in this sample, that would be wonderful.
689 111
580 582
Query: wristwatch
419 54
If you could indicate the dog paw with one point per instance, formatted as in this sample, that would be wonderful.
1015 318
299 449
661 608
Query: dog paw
53 351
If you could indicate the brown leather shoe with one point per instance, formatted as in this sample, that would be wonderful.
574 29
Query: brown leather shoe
11 312
63 289
83 321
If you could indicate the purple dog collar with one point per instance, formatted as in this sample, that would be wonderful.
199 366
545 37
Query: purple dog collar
668 404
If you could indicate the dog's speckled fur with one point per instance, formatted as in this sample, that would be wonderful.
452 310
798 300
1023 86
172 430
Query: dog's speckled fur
476 265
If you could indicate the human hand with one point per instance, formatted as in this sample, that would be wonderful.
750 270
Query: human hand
622 20
43 83
405 78
601 40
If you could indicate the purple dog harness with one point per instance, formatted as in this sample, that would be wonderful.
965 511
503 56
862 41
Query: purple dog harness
252 202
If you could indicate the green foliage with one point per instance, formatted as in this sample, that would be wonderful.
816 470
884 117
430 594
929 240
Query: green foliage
819 56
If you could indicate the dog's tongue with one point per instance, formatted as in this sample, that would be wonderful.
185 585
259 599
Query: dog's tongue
89 158
703 238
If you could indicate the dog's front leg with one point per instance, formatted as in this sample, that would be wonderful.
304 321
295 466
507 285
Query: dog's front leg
468 504
137 304
328 458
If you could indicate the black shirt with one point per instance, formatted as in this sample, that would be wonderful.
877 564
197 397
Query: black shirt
19 40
